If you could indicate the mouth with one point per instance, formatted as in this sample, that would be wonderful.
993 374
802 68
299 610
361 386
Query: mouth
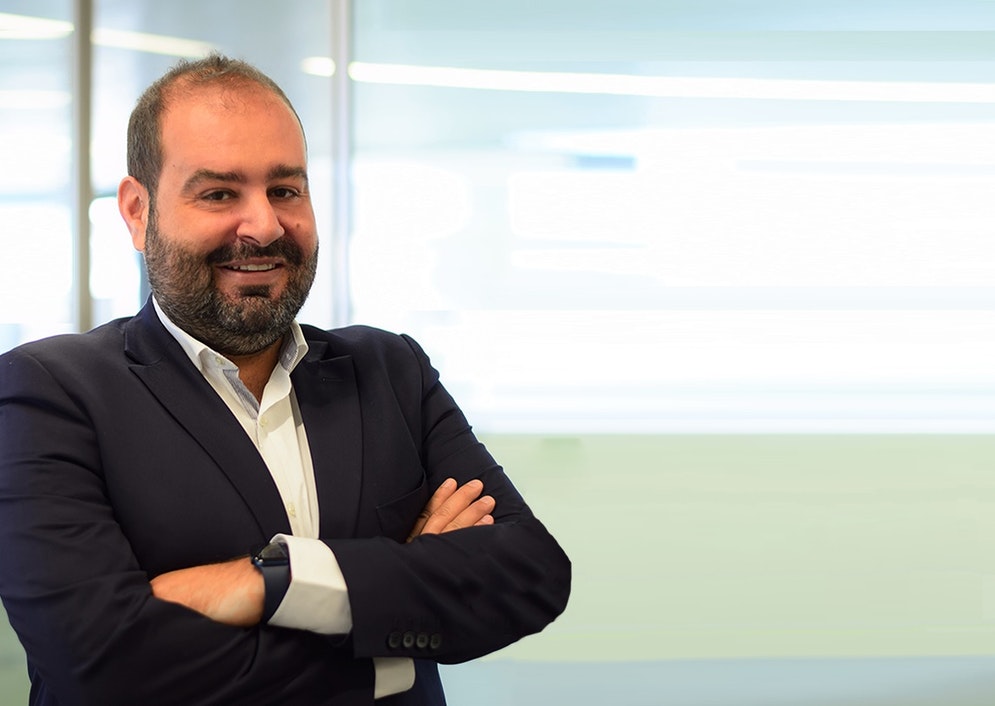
251 277
251 268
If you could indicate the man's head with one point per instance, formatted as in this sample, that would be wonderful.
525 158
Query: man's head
217 199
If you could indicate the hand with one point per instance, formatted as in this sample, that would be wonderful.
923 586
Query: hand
452 508
231 592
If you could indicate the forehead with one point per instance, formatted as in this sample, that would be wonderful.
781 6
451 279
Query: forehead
226 120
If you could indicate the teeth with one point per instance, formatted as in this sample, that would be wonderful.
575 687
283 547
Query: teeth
253 268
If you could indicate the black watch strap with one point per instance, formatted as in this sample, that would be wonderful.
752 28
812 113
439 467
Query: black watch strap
273 561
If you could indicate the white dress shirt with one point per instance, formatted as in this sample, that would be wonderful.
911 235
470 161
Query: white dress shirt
317 598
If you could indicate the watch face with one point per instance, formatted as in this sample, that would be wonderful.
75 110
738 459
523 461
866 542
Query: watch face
272 553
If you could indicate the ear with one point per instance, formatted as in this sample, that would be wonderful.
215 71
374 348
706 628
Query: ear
133 203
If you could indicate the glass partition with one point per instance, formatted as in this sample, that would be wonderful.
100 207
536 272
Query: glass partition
646 243
35 128
684 217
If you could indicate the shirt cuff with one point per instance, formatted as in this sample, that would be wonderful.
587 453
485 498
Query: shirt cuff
317 598
393 675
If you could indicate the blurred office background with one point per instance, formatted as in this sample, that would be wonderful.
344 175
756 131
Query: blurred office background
713 279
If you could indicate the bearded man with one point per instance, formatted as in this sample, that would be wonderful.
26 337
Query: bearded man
210 503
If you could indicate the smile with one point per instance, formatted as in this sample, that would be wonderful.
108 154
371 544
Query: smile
251 268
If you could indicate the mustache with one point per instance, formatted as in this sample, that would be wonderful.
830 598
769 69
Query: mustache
282 248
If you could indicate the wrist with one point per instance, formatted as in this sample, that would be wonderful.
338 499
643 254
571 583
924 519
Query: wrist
273 562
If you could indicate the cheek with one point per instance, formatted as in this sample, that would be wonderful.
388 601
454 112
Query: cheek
304 233
199 235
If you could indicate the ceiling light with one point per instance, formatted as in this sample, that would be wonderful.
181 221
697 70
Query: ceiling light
673 86
24 27
318 66
151 43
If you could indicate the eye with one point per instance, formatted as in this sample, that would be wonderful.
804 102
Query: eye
284 192
217 196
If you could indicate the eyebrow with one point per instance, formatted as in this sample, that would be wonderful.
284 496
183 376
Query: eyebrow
286 171
280 171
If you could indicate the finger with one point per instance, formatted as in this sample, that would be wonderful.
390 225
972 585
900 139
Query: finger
451 508
471 515
485 520
442 493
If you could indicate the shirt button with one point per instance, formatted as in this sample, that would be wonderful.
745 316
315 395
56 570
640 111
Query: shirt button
291 509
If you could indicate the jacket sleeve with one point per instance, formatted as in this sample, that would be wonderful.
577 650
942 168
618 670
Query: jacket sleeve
459 595
81 604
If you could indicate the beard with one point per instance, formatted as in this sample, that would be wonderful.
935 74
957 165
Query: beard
251 320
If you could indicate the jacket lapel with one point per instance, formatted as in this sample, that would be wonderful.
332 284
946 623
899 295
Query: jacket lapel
167 372
329 402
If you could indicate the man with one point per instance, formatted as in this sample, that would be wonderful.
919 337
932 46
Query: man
141 462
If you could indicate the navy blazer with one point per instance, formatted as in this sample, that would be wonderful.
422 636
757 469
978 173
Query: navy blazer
119 462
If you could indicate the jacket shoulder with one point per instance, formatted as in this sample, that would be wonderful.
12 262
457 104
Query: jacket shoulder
76 347
356 334
375 353
362 340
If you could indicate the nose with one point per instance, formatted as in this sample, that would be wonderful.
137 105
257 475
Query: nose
258 221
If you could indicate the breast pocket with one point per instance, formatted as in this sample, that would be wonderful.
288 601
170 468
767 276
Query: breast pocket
397 517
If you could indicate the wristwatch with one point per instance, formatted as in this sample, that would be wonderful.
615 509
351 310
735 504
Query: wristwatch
273 561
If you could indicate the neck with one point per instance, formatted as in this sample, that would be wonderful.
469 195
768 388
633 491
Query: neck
255 369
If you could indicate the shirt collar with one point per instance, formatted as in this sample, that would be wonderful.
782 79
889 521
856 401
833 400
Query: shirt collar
201 355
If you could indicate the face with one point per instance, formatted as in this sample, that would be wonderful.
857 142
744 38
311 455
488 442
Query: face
230 241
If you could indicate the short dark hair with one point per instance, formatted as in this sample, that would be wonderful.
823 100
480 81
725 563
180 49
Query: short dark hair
145 124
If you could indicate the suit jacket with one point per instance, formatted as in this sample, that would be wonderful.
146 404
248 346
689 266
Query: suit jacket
118 462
